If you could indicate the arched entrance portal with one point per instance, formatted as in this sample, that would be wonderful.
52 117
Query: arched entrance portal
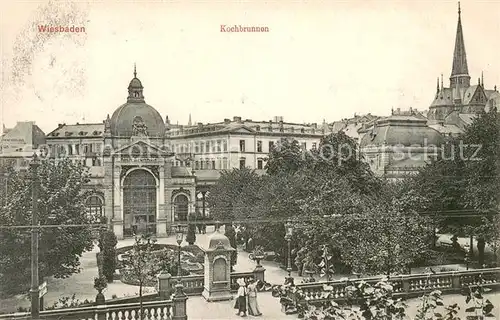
180 208
139 203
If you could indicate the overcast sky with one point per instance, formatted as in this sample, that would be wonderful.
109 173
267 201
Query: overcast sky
320 60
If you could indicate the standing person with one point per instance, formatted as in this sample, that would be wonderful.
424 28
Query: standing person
253 306
481 244
241 299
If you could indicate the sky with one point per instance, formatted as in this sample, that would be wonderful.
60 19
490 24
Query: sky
319 60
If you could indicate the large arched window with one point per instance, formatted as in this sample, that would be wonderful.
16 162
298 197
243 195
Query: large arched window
180 208
94 206
139 203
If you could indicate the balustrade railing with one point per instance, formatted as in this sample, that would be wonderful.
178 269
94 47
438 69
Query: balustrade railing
153 310
403 286
194 284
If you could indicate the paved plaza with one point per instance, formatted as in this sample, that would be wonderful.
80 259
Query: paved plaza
81 285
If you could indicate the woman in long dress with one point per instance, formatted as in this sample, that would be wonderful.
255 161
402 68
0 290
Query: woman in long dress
253 306
241 300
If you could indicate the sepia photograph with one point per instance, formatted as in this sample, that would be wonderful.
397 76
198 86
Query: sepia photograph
190 160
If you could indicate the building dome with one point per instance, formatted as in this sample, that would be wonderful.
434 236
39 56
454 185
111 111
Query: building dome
402 131
135 83
136 118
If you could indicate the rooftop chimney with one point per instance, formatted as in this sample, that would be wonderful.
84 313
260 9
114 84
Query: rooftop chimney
237 119
226 120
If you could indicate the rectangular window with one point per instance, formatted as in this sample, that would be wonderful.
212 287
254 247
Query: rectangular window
304 145
85 149
224 163
213 164
242 145
224 145
70 149
207 146
259 146
314 146
271 145
201 165
77 149
197 147
219 149
196 165
259 164
242 163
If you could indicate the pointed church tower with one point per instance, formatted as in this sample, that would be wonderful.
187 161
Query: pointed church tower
460 72
189 121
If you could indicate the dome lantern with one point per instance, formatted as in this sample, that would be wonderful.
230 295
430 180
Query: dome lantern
135 117
135 89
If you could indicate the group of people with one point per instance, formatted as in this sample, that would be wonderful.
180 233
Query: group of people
246 300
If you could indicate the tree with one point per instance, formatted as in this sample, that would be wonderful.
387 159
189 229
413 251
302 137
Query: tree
143 264
107 245
286 157
383 240
61 200
228 195
466 176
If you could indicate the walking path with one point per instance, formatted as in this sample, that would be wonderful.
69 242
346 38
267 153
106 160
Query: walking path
82 286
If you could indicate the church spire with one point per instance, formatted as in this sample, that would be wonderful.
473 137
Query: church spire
460 71
189 121
135 71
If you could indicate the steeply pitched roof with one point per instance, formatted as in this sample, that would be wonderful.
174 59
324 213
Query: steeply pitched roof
467 117
75 130
443 98
459 57
446 129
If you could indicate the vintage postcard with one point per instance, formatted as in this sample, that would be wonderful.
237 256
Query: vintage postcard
261 159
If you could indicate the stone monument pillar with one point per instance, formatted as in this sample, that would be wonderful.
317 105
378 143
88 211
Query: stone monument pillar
217 284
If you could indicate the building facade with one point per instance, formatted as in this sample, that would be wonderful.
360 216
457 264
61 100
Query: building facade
400 144
150 175
18 144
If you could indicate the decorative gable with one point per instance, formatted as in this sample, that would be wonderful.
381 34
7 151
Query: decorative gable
142 149
478 97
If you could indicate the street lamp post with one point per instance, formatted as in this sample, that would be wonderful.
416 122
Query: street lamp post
288 238
35 299
179 236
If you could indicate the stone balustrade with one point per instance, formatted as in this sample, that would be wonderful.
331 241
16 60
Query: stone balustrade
404 286
194 284
174 309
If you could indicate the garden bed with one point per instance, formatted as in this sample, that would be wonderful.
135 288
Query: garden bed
192 261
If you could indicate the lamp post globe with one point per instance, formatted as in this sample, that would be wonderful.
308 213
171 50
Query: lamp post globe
179 236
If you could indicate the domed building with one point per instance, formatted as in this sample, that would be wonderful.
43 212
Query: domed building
151 175
400 144
132 167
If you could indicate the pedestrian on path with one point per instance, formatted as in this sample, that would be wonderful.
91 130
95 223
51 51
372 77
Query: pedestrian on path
241 299
253 306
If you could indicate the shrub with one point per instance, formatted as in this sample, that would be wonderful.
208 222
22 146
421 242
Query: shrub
191 234
107 244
